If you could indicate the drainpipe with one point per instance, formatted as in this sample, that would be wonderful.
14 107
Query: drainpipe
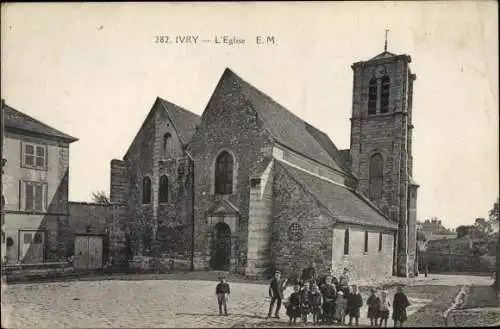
191 164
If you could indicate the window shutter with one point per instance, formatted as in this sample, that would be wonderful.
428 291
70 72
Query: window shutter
29 197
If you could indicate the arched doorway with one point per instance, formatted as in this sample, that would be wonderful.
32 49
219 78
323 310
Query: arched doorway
221 250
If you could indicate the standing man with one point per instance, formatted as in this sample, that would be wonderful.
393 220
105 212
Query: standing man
309 274
276 288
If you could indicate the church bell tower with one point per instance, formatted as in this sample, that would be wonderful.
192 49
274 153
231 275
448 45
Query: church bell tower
381 146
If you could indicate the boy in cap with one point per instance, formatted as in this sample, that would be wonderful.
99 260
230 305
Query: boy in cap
222 291
276 288
354 303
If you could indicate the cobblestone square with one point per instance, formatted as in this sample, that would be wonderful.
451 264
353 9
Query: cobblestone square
171 303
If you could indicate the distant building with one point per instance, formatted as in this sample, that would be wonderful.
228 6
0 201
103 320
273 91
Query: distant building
35 189
434 230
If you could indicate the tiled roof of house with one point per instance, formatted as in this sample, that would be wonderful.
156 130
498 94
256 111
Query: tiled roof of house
17 120
185 121
343 203
286 128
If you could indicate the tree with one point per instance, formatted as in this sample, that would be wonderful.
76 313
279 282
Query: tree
482 228
464 231
100 197
493 216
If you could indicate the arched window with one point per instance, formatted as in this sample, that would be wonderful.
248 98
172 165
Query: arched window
380 241
163 191
376 177
146 190
346 242
372 97
224 174
384 94
167 145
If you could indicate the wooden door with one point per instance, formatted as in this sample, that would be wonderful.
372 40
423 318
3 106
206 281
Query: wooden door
95 252
81 252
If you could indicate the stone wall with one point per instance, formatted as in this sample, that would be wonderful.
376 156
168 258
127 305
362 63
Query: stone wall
110 221
387 134
374 264
228 123
119 188
301 229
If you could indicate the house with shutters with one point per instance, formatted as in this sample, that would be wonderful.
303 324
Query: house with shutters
34 189
250 187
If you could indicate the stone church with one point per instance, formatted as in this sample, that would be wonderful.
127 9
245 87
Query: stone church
250 187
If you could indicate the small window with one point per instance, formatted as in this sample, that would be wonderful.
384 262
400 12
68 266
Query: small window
34 196
372 97
38 238
380 241
163 189
346 242
146 190
295 232
366 241
167 145
255 183
27 238
224 174
384 95
34 155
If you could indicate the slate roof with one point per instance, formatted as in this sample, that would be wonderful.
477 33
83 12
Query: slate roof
285 127
343 203
185 121
345 155
17 120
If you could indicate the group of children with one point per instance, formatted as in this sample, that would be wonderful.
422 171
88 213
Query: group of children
324 307
328 302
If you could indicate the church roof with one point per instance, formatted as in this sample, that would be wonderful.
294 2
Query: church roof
185 121
345 155
286 128
343 203
17 120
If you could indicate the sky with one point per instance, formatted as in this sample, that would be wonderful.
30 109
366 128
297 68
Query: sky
93 70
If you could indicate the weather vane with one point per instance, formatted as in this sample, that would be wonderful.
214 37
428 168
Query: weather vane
385 45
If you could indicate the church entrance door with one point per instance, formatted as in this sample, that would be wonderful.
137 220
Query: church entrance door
221 253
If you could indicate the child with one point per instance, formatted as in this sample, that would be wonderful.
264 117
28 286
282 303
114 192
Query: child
384 307
354 303
373 303
316 302
344 282
293 305
222 291
340 307
305 299
400 304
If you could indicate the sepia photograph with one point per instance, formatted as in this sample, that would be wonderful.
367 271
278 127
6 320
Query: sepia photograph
250 164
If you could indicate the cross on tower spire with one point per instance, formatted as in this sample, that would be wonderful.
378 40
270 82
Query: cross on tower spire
385 45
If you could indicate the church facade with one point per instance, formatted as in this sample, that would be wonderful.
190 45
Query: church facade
249 187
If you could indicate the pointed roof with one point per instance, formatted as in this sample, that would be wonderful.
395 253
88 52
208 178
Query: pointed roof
184 121
285 127
17 120
342 203
382 55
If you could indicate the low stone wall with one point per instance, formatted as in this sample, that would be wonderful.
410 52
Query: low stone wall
159 264
21 272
